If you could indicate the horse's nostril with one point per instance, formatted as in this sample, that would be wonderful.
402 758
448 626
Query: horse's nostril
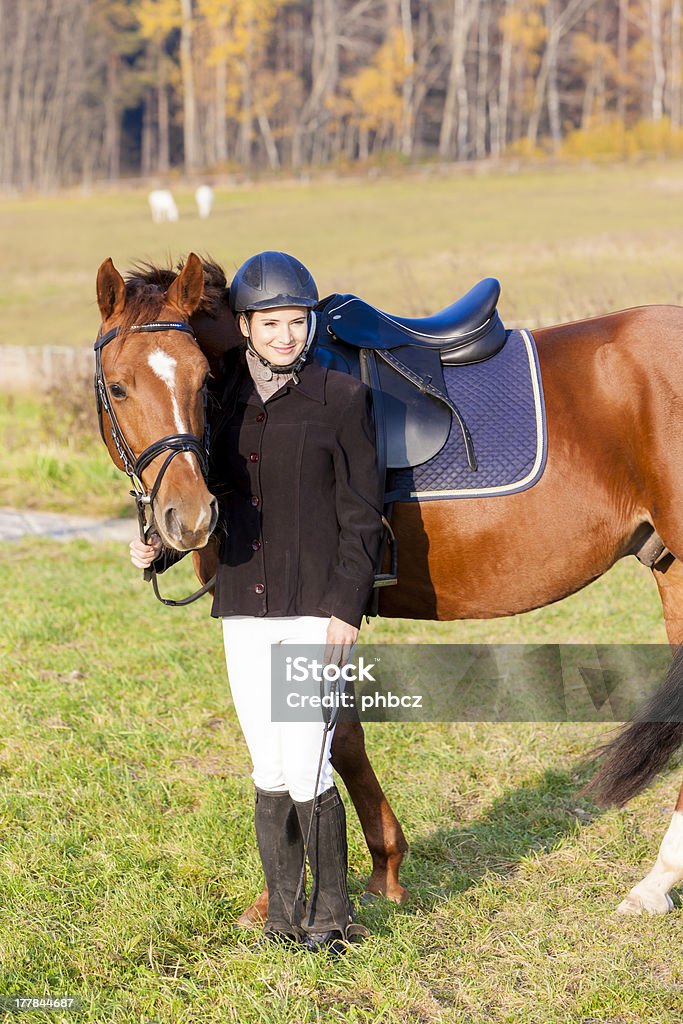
172 523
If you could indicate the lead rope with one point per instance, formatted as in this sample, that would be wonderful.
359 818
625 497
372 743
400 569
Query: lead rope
352 929
329 725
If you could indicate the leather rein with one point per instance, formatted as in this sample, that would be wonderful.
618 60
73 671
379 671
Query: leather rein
134 465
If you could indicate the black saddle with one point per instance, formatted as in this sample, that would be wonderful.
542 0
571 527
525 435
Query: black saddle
401 359
468 331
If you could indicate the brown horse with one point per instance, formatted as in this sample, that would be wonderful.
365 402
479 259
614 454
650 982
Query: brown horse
615 445
184 511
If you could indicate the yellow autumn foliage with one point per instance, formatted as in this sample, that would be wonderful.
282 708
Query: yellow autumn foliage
588 52
157 18
612 139
375 100
524 26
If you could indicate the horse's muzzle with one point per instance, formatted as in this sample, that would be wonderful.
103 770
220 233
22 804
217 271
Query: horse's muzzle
179 531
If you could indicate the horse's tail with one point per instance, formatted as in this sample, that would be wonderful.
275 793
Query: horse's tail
642 750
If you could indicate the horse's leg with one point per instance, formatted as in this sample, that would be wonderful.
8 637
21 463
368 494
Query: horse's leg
652 893
383 834
669 581
255 915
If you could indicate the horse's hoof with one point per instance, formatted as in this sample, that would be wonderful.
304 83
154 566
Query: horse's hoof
367 899
398 894
646 902
250 919
395 893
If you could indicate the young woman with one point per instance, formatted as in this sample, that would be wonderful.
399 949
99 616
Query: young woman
294 460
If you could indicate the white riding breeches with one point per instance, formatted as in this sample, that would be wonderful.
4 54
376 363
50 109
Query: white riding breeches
285 755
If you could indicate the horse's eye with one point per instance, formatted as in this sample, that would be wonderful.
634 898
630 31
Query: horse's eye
117 391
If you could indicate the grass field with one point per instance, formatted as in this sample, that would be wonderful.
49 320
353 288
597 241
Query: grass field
126 832
128 849
565 243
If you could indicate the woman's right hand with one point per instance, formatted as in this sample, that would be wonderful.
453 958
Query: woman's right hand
142 555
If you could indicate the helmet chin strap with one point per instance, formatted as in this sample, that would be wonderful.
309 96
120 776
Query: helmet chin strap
294 366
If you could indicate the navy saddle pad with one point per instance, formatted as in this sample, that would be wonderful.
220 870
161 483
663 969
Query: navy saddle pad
501 401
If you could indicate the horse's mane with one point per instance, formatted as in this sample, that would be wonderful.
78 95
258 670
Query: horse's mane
146 285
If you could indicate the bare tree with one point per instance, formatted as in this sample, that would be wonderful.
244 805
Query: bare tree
658 71
408 88
189 100
558 22
456 105
483 55
501 122
324 69
675 58
622 56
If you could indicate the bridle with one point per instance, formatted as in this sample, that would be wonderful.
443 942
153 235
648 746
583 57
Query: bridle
135 465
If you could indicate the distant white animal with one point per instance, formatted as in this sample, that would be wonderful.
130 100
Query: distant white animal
204 197
162 205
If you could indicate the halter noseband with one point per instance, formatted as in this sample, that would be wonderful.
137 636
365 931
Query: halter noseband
134 465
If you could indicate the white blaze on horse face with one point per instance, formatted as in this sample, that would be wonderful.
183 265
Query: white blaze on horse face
164 367
652 894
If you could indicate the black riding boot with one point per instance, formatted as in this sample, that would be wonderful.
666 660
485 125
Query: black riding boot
281 847
329 909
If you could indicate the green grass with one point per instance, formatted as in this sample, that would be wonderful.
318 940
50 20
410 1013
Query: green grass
53 459
566 242
127 846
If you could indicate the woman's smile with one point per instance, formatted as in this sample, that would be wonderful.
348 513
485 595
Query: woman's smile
278 335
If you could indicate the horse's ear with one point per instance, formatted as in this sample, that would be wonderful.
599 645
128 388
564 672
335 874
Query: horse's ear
111 290
187 289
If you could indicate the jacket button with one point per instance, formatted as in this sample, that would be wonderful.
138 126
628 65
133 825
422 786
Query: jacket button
260 418
253 456
259 588
256 545
255 500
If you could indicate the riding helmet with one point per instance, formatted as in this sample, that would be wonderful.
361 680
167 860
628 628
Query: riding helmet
270 280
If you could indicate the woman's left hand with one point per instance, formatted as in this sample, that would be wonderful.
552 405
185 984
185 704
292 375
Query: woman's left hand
340 639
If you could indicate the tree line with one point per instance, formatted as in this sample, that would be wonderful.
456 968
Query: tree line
96 89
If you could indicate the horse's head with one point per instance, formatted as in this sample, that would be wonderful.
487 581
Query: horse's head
155 386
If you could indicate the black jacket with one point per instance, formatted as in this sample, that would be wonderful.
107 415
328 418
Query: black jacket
300 494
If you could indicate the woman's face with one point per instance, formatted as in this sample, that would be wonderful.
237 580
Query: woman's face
278 335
